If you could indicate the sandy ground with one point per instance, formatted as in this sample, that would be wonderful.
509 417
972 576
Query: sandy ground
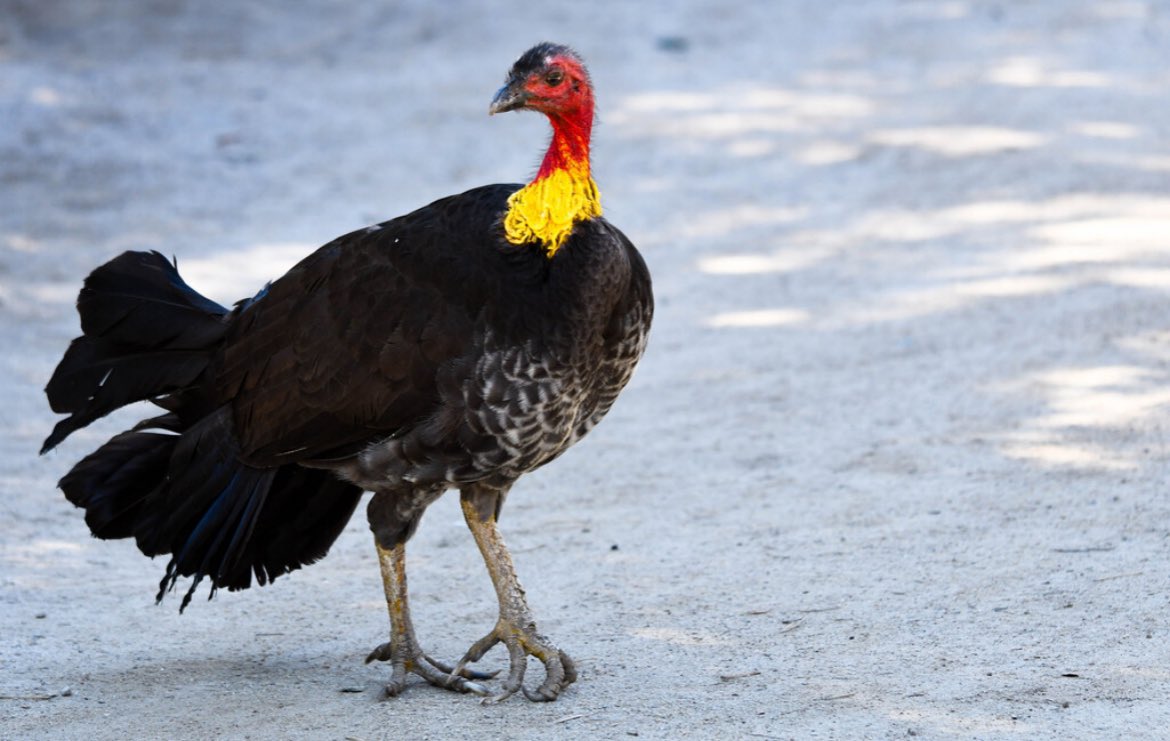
895 464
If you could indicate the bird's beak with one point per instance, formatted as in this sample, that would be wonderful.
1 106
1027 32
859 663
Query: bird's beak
510 97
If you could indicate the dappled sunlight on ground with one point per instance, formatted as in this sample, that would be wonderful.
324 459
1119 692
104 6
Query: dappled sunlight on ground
1105 129
717 223
1035 249
868 207
1053 450
743 120
946 297
1032 72
758 318
1083 405
958 141
964 724
749 264
1023 249
680 637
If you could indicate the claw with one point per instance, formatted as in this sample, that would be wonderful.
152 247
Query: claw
517 665
560 671
459 670
479 648
436 672
476 689
570 668
381 653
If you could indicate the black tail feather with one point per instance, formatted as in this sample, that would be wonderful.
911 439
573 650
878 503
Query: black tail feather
139 298
146 334
226 521
109 483
110 376
175 482
314 508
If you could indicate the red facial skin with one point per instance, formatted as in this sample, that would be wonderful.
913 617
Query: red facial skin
569 107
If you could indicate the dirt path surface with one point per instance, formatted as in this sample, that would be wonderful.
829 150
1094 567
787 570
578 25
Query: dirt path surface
895 464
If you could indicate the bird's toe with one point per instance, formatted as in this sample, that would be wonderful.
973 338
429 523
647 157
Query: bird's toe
560 671
381 653
460 670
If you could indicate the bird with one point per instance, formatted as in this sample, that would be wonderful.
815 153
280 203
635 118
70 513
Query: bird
458 346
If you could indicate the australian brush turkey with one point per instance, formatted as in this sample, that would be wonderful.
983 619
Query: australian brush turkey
461 345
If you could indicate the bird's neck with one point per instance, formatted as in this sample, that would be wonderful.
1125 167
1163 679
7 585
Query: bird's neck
563 191
569 148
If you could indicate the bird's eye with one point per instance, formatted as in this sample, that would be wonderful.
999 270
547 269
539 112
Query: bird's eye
554 78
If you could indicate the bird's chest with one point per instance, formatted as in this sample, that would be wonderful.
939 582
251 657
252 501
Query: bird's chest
614 366
545 376
523 405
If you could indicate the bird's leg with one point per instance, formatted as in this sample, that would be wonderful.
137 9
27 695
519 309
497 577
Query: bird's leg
515 628
394 516
402 650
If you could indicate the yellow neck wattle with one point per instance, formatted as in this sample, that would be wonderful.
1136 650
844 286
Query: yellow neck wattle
546 209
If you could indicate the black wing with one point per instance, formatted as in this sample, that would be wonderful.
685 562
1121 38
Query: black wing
345 348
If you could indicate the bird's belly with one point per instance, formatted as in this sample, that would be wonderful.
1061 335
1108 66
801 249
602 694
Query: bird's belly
510 416
514 411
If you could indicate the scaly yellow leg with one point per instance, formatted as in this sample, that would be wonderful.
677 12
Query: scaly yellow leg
515 628
402 650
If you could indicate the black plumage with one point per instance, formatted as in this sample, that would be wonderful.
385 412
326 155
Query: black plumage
420 354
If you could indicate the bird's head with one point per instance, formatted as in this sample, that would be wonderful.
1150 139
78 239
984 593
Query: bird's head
549 78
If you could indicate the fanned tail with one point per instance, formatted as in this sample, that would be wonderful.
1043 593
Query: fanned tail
175 482
146 333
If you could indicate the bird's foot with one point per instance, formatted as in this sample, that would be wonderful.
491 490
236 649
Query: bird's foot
522 641
412 660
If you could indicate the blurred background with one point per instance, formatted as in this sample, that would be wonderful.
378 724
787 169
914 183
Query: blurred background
894 464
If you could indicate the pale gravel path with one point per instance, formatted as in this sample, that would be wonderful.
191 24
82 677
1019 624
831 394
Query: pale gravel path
896 462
